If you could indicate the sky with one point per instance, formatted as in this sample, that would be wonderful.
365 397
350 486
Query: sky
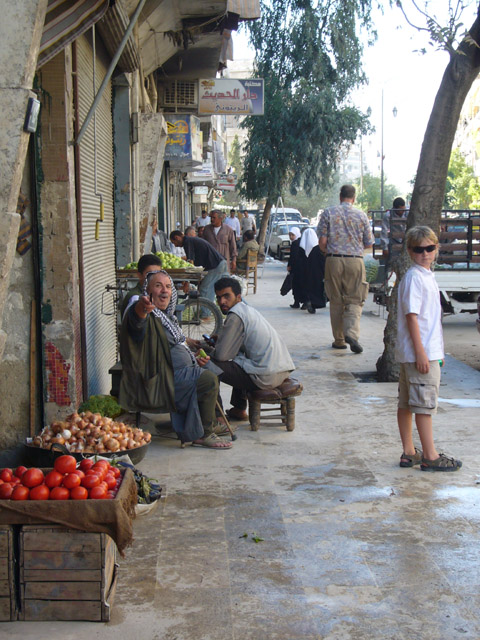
409 82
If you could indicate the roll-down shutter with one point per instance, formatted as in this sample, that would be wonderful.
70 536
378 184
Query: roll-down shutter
98 255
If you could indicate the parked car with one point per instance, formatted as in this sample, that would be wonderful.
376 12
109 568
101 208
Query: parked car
279 241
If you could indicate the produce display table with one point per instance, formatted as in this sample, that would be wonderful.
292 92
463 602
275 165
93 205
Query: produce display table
189 274
8 604
113 517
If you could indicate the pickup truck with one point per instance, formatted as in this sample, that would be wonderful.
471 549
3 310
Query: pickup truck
457 269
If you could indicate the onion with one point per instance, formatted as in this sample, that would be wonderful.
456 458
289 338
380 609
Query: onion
66 434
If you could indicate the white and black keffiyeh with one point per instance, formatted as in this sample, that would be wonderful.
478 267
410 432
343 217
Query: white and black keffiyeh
167 317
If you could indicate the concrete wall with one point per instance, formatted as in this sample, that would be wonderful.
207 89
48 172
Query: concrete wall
152 130
59 251
20 31
123 171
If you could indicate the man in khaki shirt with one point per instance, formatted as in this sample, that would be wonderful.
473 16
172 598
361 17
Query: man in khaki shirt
222 238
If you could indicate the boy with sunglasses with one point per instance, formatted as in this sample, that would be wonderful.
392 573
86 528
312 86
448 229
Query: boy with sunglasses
419 349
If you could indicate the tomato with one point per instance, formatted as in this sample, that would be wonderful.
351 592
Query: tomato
116 472
20 492
6 475
110 495
65 464
110 480
90 481
5 491
79 473
71 481
32 477
19 471
97 493
86 464
15 480
79 493
59 493
40 492
53 479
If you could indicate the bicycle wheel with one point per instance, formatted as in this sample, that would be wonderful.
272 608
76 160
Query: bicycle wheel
199 316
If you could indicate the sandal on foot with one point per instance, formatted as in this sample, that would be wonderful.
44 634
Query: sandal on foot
221 429
409 460
442 463
212 442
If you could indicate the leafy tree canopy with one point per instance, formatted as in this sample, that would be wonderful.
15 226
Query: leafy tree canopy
462 190
369 198
309 54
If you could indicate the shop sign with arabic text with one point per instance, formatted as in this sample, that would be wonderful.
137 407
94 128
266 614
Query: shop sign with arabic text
230 96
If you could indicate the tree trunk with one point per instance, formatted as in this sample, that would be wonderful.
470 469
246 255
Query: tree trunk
429 188
263 226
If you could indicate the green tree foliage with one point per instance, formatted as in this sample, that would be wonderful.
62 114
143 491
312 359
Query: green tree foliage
309 54
234 156
369 199
462 190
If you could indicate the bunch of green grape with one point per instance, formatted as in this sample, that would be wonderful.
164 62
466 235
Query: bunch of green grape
131 265
170 261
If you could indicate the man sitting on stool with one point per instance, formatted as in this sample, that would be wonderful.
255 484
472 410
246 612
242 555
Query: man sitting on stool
249 354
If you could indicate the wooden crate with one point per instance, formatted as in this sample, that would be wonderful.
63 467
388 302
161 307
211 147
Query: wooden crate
66 574
8 604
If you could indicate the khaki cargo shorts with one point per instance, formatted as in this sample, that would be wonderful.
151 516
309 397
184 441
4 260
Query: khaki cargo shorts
418 392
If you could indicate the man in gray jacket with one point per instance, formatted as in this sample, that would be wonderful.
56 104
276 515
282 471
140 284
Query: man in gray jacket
249 354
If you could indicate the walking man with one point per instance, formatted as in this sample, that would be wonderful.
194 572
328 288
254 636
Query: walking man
222 238
344 233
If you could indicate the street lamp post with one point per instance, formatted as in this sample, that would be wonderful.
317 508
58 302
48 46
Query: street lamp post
394 111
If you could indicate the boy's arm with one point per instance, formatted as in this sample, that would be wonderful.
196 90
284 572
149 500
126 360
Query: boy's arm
421 357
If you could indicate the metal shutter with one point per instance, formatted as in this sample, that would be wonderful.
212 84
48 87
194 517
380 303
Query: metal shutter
98 255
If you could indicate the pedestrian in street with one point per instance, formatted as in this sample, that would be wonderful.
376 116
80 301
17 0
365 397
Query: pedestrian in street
202 220
314 266
419 350
392 235
233 222
249 354
344 233
191 231
222 238
296 267
202 254
247 223
160 370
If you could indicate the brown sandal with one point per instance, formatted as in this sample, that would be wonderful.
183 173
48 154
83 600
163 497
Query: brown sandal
409 460
442 463
212 442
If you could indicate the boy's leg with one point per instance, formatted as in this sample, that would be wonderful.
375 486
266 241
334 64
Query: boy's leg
425 431
404 419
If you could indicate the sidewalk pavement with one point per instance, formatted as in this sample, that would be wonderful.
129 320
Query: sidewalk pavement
354 547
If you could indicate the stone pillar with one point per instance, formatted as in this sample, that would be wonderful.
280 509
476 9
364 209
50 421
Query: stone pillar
59 250
20 32
152 138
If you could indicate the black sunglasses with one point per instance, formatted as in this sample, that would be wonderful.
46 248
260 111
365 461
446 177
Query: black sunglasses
429 249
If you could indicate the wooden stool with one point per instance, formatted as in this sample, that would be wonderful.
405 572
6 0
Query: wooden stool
284 395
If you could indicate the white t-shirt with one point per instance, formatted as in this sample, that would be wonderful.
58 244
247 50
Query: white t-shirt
418 293
234 224
202 222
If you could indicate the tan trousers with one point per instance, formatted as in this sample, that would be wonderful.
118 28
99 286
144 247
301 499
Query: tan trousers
347 289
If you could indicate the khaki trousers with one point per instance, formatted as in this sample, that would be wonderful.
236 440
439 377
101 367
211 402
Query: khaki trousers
347 289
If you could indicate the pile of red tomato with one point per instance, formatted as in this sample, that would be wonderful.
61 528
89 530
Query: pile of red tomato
95 480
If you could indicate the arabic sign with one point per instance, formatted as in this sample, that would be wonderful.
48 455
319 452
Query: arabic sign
230 97
183 139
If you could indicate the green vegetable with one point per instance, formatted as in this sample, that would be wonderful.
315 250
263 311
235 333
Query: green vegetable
104 405
245 535
202 353
256 538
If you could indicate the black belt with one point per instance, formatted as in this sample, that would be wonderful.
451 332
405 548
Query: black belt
341 255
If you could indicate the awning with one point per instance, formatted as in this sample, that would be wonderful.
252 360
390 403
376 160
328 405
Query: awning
246 9
65 21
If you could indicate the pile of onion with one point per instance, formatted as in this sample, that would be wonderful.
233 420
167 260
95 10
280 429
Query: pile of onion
91 433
